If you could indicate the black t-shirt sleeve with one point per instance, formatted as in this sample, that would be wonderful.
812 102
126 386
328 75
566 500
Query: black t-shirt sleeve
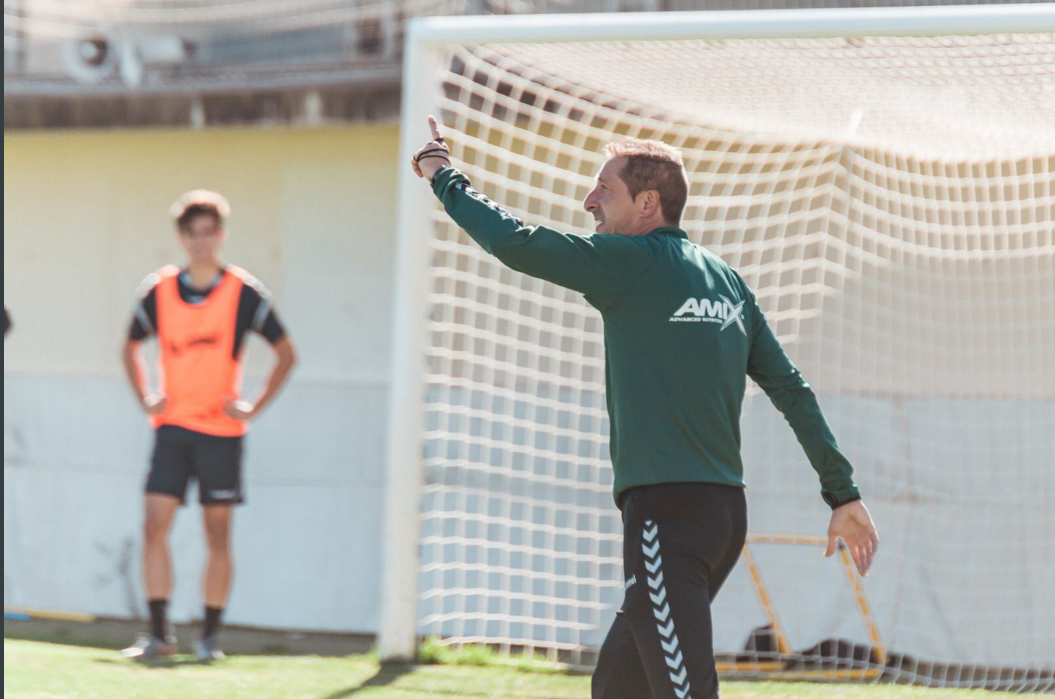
257 314
272 329
145 319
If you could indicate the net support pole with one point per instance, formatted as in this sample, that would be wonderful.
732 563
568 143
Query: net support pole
397 632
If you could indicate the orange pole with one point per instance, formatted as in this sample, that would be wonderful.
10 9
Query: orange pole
767 604
786 539
851 574
862 604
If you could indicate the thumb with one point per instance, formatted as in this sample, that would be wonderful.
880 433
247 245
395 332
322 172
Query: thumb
833 541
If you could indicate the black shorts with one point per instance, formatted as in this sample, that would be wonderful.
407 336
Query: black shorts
181 454
680 541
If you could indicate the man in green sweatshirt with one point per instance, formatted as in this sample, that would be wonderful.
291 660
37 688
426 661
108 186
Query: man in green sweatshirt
682 333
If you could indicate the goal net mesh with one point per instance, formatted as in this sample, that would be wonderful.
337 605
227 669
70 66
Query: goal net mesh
891 201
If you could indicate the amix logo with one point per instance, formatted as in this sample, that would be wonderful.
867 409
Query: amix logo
707 311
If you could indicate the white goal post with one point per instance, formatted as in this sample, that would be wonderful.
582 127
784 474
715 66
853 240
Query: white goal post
885 180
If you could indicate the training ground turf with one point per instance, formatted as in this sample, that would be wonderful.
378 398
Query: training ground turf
39 670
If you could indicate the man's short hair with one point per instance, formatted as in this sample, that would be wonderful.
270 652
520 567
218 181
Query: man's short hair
198 202
654 165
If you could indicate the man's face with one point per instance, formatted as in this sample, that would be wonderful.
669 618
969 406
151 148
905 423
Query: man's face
201 238
610 202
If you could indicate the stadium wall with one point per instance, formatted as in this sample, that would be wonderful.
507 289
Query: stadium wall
85 221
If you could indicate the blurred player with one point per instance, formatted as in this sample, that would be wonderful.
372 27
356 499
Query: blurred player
200 315
682 332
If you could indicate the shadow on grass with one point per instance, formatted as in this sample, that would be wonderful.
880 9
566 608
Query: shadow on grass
154 663
386 675
64 639
114 634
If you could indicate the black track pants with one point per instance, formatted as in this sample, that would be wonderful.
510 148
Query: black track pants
680 540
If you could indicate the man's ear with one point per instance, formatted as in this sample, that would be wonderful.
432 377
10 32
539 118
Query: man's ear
648 200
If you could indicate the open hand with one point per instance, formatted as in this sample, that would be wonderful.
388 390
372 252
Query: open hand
853 524
239 409
155 404
433 156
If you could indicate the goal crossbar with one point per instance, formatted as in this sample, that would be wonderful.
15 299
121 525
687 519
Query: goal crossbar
734 24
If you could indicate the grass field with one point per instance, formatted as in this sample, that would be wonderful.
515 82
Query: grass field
40 670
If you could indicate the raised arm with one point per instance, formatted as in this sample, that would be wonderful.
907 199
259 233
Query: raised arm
602 267
770 367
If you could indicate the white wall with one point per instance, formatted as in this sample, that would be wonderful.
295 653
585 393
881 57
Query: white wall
85 221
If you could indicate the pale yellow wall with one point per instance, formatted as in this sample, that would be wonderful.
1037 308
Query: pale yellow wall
84 221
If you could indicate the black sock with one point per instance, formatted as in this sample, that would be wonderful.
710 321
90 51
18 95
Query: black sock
212 621
158 612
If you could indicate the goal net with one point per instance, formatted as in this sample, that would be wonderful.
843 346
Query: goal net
885 182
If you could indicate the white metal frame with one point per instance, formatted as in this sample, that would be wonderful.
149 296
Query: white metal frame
426 38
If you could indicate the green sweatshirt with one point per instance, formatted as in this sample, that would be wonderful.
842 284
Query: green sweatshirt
682 332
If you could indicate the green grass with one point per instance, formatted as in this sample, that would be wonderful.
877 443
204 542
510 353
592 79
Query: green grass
432 652
39 670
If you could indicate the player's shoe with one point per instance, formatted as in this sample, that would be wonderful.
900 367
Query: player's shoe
206 649
148 646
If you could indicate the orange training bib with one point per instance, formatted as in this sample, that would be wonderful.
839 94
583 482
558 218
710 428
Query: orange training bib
199 372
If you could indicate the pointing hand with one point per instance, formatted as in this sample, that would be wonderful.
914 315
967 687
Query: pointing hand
433 156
